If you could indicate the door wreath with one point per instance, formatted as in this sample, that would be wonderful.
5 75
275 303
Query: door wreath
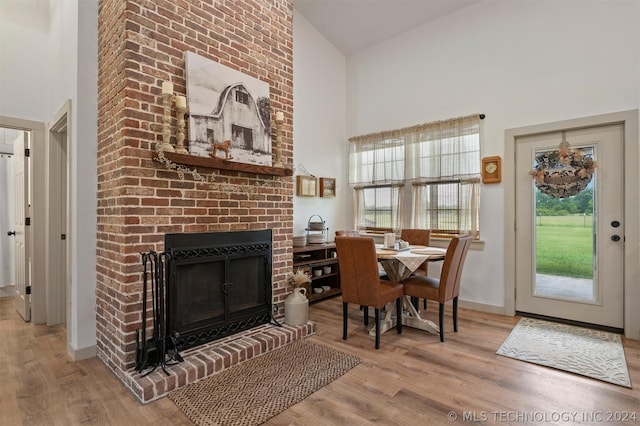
563 172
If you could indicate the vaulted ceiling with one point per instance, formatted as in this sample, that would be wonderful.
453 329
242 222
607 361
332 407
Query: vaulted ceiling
352 25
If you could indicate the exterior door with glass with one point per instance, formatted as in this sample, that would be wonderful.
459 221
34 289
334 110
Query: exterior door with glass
570 229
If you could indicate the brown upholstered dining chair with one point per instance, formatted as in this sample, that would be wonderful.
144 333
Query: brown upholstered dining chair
448 286
419 237
361 284
356 233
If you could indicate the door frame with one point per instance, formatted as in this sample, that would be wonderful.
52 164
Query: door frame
36 245
629 120
58 288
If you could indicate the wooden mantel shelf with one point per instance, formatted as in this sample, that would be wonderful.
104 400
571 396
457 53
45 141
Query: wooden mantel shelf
219 163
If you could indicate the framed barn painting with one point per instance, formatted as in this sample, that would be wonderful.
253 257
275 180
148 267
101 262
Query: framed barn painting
229 113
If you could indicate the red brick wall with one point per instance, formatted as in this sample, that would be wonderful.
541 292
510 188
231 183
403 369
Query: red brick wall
142 44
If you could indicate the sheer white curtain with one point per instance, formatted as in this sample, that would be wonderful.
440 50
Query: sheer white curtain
432 207
376 172
376 159
444 150
379 207
441 160
7 273
444 166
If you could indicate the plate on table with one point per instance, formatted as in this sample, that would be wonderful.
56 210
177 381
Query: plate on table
380 247
398 250
429 251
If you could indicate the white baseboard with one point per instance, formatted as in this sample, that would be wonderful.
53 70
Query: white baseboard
7 291
482 307
83 353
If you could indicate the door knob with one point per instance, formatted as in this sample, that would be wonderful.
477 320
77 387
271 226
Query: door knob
10 233
615 223
615 238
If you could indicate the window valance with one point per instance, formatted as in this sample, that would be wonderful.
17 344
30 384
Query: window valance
438 151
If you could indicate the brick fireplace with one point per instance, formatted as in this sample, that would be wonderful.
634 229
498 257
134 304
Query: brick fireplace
217 284
142 44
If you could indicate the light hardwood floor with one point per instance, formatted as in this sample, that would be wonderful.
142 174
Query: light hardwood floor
412 380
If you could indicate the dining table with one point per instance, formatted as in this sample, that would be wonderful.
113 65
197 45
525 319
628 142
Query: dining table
399 264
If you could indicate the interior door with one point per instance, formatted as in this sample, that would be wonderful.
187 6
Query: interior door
582 276
21 176
58 236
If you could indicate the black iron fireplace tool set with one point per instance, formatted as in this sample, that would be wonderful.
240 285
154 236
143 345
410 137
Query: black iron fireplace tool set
159 350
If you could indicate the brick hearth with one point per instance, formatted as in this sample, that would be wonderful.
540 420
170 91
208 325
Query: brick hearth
209 359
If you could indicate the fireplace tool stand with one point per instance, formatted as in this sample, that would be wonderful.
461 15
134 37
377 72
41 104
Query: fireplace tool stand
156 351
273 320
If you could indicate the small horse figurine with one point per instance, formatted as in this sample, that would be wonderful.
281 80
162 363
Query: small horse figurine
224 147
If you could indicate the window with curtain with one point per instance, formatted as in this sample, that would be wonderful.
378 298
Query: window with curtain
378 208
439 165
377 174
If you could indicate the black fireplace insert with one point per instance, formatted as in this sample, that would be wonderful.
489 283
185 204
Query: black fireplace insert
218 284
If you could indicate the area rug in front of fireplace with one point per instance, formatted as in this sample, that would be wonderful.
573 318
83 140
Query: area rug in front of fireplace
260 388
592 353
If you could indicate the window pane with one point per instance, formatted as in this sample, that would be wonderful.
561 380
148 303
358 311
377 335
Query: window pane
447 207
379 162
448 158
378 207
441 207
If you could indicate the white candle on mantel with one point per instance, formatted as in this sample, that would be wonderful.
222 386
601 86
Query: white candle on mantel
181 102
279 116
167 88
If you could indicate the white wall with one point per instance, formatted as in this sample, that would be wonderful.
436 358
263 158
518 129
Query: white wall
319 142
84 188
24 35
520 63
48 54
73 65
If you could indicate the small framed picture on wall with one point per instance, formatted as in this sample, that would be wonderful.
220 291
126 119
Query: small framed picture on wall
327 187
306 186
